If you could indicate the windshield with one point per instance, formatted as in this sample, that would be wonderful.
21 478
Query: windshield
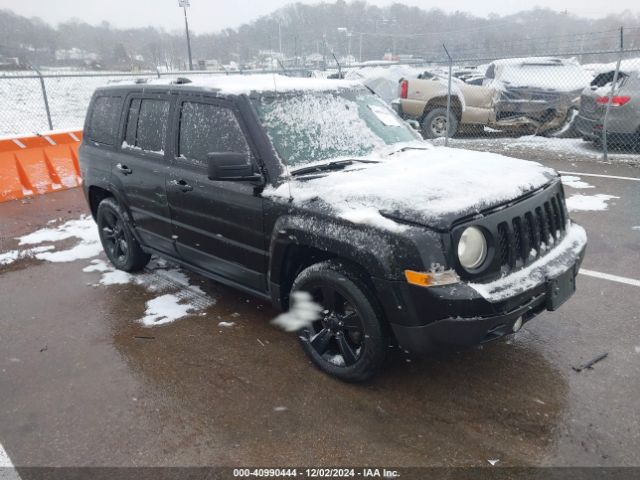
315 126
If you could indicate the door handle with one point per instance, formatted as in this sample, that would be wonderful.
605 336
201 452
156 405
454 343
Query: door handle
182 185
124 169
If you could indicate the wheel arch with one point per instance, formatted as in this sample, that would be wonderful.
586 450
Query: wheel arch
96 194
294 249
441 102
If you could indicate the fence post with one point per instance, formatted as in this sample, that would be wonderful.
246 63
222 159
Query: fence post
605 123
446 138
44 96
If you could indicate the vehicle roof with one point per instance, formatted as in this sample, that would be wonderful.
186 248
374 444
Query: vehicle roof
226 85
539 61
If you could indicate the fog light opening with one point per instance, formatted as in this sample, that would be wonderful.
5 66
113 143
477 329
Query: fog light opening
517 325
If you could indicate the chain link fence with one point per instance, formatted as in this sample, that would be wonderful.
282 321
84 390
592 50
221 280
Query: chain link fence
33 101
558 106
574 106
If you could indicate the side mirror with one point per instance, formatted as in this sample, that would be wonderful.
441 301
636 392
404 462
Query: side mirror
230 166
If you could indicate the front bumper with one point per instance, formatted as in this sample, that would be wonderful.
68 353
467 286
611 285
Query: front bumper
423 319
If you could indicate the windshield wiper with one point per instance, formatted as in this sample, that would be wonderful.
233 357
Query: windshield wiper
335 165
404 149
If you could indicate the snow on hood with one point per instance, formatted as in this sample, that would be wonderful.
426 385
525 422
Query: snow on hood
429 186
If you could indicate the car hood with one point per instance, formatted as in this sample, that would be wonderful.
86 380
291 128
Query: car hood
431 186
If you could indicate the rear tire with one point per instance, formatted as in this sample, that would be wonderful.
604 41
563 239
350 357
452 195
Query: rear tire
350 340
434 124
119 243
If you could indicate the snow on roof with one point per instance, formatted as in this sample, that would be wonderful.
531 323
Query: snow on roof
628 65
264 82
536 61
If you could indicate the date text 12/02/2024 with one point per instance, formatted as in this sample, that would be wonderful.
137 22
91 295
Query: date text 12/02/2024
315 473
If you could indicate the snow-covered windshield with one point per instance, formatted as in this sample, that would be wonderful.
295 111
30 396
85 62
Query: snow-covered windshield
315 126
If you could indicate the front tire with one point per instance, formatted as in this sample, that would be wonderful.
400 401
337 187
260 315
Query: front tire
349 341
434 124
118 241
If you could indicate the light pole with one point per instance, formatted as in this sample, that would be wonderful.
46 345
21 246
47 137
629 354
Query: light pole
184 4
348 34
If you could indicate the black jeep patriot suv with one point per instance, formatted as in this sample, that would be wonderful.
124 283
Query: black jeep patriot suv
314 189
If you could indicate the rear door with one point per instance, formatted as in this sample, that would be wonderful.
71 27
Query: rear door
218 224
100 139
141 166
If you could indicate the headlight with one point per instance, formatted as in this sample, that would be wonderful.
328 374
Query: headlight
472 248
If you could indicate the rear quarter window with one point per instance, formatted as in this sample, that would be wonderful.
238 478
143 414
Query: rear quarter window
105 116
147 121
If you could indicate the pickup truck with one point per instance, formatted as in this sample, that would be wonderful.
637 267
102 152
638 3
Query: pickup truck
533 96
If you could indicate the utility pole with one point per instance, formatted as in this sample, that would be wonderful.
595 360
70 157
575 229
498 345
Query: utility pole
360 56
280 39
184 4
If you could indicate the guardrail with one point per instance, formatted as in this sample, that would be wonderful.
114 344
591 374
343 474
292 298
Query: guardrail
38 164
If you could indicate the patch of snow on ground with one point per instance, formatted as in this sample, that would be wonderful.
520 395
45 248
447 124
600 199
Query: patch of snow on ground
582 203
166 309
226 324
574 182
302 313
178 298
83 229
574 148
12 255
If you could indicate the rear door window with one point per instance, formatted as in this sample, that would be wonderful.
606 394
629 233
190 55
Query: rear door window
105 117
147 121
207 128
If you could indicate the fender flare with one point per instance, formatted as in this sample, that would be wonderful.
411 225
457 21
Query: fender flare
373 250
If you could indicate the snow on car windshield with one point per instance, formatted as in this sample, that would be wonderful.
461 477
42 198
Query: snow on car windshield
316 126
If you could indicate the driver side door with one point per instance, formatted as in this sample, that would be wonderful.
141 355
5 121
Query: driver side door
218 225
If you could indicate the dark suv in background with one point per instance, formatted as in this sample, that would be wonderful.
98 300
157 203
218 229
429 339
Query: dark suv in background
276 185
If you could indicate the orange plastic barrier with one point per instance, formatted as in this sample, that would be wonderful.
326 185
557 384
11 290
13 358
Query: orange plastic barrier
37 164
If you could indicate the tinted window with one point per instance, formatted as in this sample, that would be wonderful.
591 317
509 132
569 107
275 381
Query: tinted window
132 122
209 129
147 122
104 120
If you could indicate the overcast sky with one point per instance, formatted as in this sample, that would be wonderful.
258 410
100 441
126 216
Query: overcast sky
213 15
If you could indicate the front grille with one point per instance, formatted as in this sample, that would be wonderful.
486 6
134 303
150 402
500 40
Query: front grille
531 234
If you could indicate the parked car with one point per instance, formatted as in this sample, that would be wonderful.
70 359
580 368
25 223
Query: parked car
286 188
533 95
424 99
542 93
623 124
